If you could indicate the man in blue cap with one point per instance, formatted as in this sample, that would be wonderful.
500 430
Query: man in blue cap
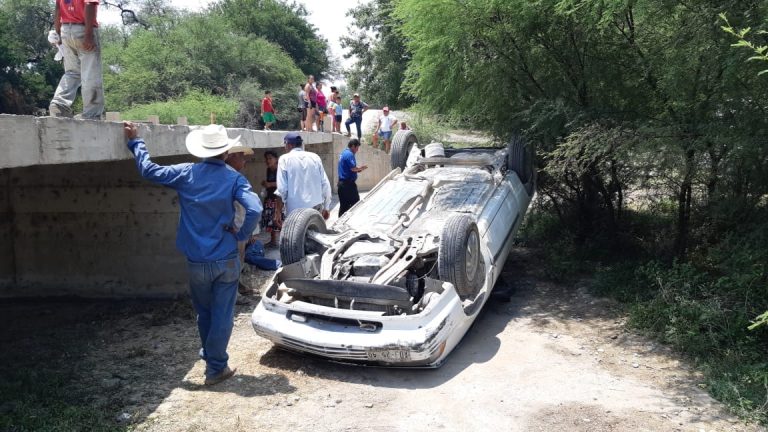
301 180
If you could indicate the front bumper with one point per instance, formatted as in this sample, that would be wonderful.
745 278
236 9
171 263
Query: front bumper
422 340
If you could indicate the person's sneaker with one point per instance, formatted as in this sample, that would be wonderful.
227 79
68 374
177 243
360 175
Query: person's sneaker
56 111
222 376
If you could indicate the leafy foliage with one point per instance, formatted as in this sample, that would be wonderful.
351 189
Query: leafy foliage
652 144
195 105
381 54
661 72
760 51
198 51
28 74
283 24
178 59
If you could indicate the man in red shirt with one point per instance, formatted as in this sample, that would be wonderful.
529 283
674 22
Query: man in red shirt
75 22
267 111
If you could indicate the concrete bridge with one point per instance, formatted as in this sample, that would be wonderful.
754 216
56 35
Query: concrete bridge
77 219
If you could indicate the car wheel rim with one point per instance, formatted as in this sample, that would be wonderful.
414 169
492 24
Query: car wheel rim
473 255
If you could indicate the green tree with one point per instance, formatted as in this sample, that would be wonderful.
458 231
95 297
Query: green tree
629 101
28 74
195 51
380 50
282 23
555 67
760 52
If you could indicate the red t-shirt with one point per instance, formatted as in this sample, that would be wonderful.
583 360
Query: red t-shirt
73 11
266 105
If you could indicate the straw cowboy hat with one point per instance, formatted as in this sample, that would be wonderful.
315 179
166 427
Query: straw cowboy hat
241 149
210 141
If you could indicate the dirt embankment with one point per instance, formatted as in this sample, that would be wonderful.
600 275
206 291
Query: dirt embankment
554 358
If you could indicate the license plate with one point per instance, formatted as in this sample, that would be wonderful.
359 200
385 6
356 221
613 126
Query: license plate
388 354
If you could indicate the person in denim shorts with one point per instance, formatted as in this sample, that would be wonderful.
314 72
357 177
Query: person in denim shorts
384 128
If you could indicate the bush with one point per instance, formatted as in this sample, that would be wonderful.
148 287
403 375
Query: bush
708 307
250 95
196 105
704 309
426 127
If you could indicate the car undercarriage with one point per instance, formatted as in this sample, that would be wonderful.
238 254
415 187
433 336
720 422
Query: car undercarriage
411 263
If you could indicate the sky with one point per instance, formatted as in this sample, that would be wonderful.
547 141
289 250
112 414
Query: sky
328 16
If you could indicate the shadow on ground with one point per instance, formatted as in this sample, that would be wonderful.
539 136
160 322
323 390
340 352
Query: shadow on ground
583 344
527 298
104 365
74 364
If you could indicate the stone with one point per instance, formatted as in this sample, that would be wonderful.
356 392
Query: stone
123 417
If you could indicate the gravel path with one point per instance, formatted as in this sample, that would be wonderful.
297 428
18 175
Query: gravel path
553 358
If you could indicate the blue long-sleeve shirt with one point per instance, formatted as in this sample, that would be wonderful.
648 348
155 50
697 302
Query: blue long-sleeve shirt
207 191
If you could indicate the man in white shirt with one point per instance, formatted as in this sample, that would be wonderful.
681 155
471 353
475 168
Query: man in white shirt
301 180
384 127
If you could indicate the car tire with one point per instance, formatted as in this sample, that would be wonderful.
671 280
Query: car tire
459 259
520 159
293 236
402 144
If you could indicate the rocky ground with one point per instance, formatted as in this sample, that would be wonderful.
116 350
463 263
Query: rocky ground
553 358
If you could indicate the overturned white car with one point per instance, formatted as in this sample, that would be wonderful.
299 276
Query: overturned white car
400 277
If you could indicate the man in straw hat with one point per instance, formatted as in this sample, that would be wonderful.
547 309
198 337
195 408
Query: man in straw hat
236 158
206 233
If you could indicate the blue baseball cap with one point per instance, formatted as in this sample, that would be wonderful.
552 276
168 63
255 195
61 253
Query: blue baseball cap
292 138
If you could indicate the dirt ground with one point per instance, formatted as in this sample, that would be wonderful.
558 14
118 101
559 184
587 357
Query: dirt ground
553 358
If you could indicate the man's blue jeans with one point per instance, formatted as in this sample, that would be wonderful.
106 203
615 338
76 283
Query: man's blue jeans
357 120
213 287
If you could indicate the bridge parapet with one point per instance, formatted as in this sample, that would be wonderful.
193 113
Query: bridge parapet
28 140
